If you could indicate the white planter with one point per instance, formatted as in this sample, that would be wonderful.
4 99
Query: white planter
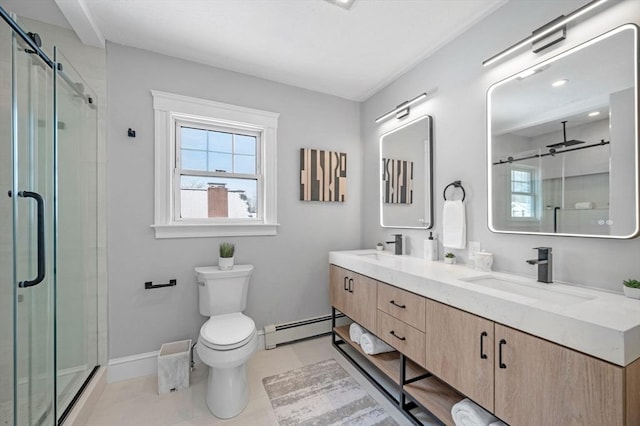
633 293
225 263
450 260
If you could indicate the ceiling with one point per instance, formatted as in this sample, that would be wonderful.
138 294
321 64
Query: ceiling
311 44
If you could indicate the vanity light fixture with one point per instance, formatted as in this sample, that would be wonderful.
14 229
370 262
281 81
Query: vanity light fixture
559 83
553 27
594 113
403 109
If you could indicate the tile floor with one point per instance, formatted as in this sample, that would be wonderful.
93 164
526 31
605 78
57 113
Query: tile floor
136 402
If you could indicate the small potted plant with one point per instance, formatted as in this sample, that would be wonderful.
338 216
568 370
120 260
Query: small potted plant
225 262
631 288
379 246
449 258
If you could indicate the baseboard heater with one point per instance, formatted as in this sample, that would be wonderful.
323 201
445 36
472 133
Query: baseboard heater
277 334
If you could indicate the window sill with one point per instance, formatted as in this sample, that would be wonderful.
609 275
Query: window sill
200 230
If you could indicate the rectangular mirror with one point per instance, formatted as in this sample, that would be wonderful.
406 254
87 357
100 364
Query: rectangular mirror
563 143
405 167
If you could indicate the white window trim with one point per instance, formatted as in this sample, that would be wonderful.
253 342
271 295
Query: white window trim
169 108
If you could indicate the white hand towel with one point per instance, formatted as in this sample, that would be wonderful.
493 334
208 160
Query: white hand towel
356 331
468 413
371 345
454 227
498 423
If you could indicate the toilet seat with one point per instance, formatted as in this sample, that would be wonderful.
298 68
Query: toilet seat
227 332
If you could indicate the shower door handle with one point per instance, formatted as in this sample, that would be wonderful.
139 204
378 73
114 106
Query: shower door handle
40 231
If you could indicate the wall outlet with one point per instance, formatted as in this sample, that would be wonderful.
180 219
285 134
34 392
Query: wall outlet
474 247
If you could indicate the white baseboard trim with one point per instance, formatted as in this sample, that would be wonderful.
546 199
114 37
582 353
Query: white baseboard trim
146 364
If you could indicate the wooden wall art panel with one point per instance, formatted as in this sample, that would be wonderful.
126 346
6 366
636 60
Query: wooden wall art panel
323 175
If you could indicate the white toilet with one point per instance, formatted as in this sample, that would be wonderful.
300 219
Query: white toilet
228 339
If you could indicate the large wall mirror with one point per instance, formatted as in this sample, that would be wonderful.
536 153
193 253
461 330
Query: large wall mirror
406 179
563 143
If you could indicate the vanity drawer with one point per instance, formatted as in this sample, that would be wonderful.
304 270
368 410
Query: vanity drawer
405 306
403 337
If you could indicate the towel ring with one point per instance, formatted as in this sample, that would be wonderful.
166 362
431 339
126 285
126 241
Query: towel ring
455 184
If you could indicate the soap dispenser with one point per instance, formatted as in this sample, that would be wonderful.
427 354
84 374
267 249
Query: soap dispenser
431 248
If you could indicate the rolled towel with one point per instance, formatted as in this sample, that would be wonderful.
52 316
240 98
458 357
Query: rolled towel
584 205
498 423
356 331
468 413
371 345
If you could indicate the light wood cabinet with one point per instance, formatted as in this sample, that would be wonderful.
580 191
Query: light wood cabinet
401 336
354 295
459 350
522 379
540 383
407 307
338 290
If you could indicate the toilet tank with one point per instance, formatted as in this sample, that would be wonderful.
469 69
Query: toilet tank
222 292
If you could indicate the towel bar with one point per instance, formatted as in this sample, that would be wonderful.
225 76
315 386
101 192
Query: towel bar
455 184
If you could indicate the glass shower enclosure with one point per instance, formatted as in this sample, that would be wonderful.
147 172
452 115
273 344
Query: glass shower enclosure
48 231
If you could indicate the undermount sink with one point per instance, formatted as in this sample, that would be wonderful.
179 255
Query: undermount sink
383 257
376 256
547 293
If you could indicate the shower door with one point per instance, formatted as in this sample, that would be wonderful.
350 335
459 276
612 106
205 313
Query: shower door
76 239
30 194
48 231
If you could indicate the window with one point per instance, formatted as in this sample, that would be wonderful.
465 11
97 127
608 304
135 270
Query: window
523 193
215 168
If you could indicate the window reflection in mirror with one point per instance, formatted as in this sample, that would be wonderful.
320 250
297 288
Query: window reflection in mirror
405 170
562 143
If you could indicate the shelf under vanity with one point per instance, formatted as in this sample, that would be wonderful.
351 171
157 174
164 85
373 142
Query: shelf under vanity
415 386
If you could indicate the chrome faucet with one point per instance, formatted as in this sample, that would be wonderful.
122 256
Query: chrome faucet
544 262
397 242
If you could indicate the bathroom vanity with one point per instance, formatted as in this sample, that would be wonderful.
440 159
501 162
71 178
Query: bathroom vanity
530 353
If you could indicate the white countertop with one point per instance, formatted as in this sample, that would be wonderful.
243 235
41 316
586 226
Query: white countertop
604 325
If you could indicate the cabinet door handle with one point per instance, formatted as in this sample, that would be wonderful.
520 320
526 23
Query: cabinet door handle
350 285
500 363
482 336
345 283
396 336
393 302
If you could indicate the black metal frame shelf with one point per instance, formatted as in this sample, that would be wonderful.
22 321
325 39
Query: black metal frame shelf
401 398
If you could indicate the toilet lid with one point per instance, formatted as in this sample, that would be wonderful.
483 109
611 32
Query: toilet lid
226 330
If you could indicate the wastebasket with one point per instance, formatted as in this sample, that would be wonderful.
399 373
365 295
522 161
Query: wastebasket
173 366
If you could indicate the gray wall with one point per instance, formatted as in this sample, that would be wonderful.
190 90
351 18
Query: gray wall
291 272
457 84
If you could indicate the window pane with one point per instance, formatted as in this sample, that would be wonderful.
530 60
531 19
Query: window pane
203 197
220 142
521 205
193 138
194 160
220 162
245 145
520 186
245 164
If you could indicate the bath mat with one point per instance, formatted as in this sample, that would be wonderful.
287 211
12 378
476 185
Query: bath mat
322 394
